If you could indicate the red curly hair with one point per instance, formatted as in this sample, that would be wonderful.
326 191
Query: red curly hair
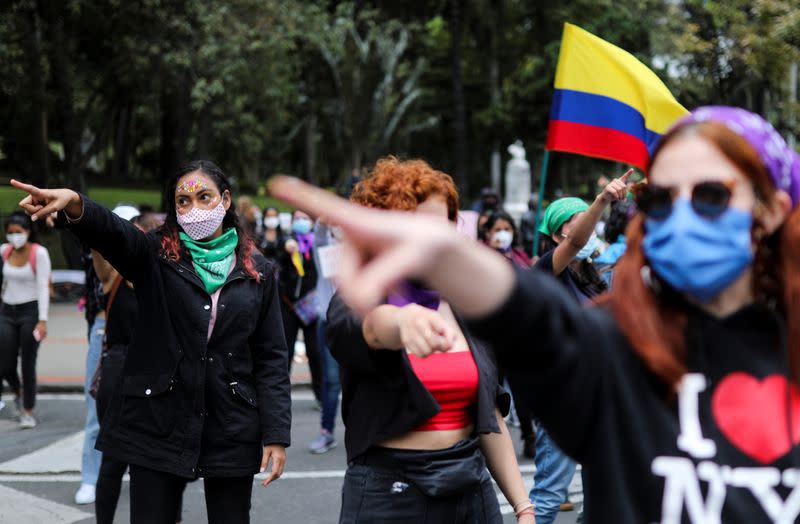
655 328
402 185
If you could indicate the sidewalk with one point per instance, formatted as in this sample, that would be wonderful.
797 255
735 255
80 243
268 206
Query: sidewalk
62 356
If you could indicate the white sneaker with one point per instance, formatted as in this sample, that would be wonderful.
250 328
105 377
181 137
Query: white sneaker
27 421
2 404
85 494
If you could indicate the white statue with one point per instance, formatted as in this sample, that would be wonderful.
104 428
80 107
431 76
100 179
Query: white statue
518 181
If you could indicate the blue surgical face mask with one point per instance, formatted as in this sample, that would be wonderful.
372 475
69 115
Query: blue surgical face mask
301 226
699 256
589 248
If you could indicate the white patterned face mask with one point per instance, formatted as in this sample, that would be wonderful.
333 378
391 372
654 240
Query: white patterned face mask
201 223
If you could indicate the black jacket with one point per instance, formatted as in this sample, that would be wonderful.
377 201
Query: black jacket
291 285
382 397
716 453
175 410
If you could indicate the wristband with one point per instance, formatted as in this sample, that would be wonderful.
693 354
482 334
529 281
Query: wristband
528 511
523 504
522 507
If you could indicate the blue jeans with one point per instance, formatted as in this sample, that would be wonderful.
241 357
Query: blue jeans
554 472
331 385
90 462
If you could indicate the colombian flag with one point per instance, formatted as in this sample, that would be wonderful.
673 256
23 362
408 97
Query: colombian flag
606 103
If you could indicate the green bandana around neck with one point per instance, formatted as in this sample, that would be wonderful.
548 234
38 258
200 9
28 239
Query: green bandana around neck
559 212
213 258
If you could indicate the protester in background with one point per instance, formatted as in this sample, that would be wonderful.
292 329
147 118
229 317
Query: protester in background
272 237
678 395
621 213
501 235
489 201
482 219
91 457
325 238
249 215
569 223
26 303
297 284
422 406
121 315
205 388
565 259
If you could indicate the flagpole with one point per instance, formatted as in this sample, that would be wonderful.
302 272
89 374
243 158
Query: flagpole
542 179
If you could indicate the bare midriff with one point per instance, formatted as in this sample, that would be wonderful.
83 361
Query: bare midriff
429 440
438 438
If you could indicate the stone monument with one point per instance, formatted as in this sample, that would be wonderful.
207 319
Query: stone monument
518 181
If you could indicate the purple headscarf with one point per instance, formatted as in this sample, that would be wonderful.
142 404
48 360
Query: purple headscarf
782 162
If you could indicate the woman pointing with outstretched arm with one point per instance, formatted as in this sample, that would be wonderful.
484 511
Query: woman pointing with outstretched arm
680 391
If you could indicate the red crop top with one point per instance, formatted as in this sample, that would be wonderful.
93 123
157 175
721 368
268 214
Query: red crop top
452 379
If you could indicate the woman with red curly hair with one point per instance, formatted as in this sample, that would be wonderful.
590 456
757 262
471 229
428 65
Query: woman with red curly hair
204 390
680 396
421 402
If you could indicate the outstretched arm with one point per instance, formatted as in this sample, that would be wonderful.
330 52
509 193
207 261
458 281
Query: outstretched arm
565 253
119 241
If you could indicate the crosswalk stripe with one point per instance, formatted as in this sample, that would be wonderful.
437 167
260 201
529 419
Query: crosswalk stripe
61 456
23 507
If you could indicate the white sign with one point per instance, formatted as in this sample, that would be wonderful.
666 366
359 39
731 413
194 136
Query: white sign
329 259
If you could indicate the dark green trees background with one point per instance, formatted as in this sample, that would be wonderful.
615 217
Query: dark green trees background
118 92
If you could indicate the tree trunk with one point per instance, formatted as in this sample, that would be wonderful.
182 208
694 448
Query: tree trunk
175 126
459 107
122 138
494 87
311 149
39 164
203 141
59 52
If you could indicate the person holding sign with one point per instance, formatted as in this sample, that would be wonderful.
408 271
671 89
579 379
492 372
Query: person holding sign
679 395
297 284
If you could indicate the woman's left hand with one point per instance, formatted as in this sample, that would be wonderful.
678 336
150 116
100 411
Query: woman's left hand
41 328
277 454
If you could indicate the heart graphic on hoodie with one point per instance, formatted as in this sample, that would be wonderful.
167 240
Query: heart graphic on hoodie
754 416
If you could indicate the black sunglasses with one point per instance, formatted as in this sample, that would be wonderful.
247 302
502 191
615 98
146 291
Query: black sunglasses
709 199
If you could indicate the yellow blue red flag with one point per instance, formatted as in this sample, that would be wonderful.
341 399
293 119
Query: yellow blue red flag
607 104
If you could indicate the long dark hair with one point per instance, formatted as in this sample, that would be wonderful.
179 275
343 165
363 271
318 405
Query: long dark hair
621 213
170 242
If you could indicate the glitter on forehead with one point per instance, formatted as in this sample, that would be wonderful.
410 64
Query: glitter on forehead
192 186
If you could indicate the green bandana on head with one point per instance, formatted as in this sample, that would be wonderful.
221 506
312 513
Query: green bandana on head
212 259
559 212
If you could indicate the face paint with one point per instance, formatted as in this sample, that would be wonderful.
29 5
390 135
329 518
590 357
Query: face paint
192 186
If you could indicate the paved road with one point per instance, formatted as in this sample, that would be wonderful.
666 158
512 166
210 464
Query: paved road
39 468
39 472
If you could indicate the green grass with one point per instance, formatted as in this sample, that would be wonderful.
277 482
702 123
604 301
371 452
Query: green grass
110 197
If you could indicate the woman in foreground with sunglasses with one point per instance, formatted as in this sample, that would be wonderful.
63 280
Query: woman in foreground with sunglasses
680 394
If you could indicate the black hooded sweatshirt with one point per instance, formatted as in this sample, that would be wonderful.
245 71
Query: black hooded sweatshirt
724 449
